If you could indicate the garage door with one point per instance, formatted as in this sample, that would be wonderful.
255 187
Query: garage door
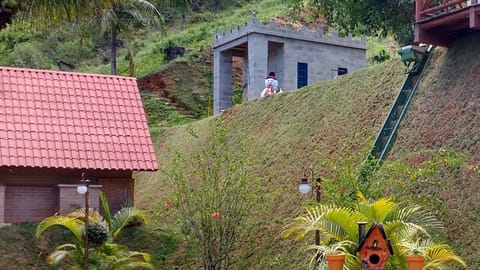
29 203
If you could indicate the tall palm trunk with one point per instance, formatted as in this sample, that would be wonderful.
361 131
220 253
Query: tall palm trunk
113 52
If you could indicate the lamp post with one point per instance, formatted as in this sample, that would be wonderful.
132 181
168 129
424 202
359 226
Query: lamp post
305 187
83 190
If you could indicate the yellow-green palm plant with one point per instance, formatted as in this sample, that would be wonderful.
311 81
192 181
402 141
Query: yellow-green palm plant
340 224
105 255
437 256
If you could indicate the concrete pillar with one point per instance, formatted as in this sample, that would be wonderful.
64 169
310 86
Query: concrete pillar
70 199
258 64
222 80
245 78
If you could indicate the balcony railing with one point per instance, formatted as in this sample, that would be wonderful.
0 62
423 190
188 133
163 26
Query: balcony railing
425 9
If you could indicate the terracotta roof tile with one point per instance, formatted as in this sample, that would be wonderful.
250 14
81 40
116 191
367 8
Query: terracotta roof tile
72 120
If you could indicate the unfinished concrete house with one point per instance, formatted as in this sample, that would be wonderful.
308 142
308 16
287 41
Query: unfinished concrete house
298 58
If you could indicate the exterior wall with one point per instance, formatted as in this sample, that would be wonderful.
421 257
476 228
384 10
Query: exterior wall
321 60
32 194
30 203
257 65
120 192
279 50
70 200
2 203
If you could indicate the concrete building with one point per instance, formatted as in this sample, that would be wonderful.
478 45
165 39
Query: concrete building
298 58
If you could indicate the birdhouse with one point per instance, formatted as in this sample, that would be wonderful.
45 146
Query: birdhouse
374 247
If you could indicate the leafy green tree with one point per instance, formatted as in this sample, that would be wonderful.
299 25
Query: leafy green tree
8 8
370 17
400 221
103 252
54 13
214 191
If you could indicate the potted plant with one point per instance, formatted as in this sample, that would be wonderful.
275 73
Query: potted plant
334 253
427 254
415 254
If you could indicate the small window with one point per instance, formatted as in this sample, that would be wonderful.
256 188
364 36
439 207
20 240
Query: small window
302 74
342 71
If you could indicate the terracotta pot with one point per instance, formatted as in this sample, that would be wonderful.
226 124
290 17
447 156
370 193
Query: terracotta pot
415 262
335 261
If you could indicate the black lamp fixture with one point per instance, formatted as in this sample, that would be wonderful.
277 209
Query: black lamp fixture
305 187
308 181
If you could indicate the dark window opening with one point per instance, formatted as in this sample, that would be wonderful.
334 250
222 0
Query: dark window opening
302 74
342 71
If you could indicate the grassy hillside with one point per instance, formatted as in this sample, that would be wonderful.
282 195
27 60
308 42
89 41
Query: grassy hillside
289 132
330 122
445 114
327 126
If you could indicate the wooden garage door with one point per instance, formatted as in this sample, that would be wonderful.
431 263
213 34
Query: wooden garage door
29 203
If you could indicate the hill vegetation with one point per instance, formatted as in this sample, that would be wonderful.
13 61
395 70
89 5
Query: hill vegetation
328 127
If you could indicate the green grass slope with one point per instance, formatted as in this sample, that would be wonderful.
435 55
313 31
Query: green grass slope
289 131
334 120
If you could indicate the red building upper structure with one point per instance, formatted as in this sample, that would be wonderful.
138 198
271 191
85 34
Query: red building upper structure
440 22
54 127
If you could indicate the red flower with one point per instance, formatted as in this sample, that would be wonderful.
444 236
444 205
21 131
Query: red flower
167 205
162 145
216 215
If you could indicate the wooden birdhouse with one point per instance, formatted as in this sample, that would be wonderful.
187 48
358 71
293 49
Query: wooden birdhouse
374 247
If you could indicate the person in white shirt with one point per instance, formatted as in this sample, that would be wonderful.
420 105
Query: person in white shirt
271 85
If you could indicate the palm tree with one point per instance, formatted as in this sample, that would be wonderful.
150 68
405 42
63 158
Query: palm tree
399 221
109 17
103 253
57 12
123 16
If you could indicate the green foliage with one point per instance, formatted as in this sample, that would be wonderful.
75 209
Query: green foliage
213 193
424 171
27 55
160 115
338 228
367 17
97 234
103 253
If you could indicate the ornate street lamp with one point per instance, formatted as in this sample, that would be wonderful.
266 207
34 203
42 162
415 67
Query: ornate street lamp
83 190
305 187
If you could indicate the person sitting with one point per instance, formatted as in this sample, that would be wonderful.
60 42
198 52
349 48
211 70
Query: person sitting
271 81
271 85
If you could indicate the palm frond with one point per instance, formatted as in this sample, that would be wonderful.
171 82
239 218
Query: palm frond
106 209
74 225
123 217
440 254
63 252
93 214
377 211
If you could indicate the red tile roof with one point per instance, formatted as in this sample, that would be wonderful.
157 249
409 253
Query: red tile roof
57 119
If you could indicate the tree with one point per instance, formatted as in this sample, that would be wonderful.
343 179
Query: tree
109 17
54 13
8 8
123 16
214 191
368 17
103 252
400 221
